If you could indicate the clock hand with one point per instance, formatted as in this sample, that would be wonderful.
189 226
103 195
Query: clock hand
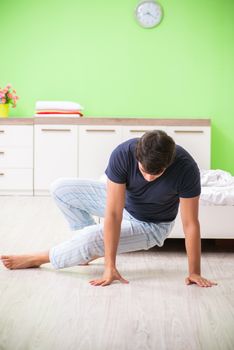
148 13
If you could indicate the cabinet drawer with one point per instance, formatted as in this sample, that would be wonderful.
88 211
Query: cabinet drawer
16 157
16 179
16 135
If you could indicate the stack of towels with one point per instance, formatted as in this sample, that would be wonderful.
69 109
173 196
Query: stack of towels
58 109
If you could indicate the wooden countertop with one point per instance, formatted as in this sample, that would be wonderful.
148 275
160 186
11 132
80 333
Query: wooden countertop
104 121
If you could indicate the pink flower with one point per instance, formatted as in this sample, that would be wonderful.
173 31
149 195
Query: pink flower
7 95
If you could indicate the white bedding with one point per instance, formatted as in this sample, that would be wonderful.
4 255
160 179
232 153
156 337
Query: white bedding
217 195
217 187
216 177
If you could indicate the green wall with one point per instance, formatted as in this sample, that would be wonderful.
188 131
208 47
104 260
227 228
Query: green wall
94 52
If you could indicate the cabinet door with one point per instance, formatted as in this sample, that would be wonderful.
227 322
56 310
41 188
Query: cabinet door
95 146
55 148
196 140
130 132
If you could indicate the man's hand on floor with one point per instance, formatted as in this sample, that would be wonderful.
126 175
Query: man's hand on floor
110 275
199 280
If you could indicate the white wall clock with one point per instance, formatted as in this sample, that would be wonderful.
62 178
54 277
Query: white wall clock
148 13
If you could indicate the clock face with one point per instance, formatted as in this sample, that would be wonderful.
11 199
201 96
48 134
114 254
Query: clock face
148 13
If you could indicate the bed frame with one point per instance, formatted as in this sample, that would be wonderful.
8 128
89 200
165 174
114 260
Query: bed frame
216 221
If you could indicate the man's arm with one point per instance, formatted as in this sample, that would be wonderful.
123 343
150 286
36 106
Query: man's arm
112 224
189 215
113 218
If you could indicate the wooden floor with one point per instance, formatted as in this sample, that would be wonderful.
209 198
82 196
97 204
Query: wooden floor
47 309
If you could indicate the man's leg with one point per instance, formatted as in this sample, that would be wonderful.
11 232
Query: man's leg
79 200
89 242
29 260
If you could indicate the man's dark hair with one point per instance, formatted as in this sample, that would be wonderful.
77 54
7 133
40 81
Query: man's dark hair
155 150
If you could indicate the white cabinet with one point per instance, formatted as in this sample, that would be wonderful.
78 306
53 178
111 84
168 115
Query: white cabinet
55 154
95 146
196 140
16 159
64 150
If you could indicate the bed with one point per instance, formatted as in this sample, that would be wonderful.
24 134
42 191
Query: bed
216 210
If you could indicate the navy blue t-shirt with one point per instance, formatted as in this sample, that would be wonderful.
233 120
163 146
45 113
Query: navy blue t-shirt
158 200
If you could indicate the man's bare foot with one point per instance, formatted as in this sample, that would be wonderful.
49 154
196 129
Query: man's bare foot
13 262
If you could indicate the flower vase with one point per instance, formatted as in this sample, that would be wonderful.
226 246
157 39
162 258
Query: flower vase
4 110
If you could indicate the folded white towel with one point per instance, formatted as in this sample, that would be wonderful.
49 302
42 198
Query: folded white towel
216 178
70 106
57 115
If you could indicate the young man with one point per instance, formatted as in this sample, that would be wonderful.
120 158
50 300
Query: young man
147 180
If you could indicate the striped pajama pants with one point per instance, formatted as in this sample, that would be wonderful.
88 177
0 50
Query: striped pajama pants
81 199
